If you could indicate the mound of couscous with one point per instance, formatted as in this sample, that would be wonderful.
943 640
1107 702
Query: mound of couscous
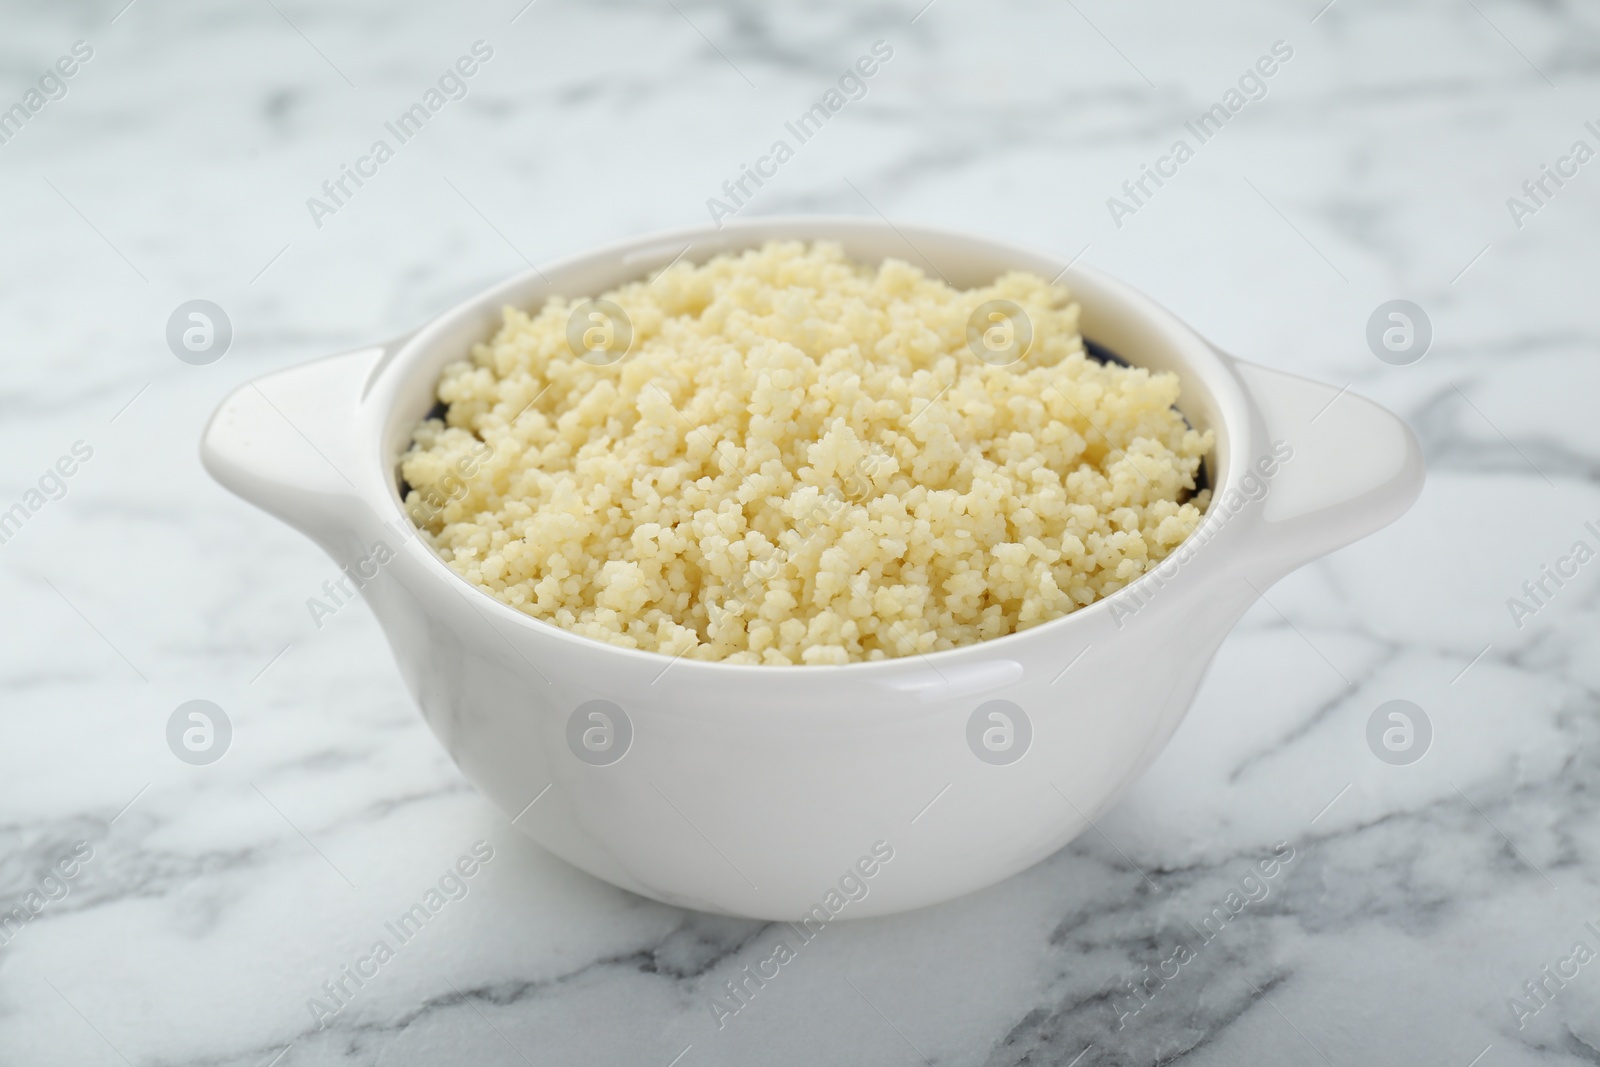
800 459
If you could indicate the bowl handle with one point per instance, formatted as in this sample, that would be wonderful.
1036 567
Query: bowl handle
1353 467
286 442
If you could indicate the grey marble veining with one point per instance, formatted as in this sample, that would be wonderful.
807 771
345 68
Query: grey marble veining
1421 901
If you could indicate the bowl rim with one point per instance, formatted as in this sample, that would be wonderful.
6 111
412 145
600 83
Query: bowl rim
403 357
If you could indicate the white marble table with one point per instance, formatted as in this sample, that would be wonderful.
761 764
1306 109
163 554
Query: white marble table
216 900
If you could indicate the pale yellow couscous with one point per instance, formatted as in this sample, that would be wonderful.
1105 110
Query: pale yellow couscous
801 460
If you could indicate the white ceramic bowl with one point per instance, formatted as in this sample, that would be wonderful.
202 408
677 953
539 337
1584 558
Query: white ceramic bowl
753 790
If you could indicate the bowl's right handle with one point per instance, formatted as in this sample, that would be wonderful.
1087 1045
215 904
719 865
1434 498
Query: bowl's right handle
1353 466
286 442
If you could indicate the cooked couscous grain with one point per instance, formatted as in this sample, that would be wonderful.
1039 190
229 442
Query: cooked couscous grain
800 460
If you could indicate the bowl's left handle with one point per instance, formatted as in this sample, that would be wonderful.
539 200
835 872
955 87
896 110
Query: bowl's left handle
286 442
1335 467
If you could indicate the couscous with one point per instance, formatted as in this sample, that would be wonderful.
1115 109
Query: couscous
786 457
